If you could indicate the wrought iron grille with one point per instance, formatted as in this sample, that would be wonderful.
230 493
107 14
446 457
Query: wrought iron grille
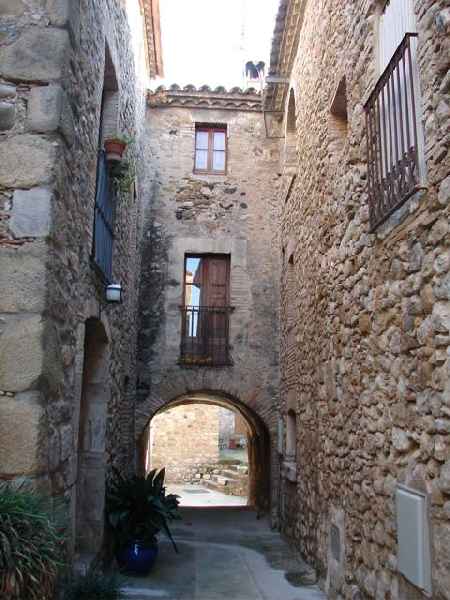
103 219
392 140
205 335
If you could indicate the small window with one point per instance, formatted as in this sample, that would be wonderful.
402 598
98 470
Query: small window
210 150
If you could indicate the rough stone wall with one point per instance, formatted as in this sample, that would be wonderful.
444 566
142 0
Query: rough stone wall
52 59
227 420
184 438
188 213
366 363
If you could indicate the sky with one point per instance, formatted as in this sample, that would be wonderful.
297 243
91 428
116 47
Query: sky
202 40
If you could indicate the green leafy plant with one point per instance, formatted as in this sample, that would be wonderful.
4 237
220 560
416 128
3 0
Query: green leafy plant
94 585
31 543
123 174
138 508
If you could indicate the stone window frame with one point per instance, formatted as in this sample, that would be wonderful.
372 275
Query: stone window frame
211 128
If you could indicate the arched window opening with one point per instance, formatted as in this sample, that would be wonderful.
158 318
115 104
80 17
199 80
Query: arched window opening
338 120
291 436
290 145
291 116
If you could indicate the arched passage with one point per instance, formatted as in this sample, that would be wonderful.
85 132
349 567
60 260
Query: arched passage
95 394
258 442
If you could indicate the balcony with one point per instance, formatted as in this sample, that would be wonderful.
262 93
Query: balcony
392 136
103 220
205 336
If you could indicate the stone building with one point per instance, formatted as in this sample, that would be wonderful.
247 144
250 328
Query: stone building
71 75
362 111
284 254
208 326
183 439
187 440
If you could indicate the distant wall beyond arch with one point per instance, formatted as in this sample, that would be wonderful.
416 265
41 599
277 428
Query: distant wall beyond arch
258 441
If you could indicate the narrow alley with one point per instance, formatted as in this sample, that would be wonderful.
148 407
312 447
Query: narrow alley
226 554
225 296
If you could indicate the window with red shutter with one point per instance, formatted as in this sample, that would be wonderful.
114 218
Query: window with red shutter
206 310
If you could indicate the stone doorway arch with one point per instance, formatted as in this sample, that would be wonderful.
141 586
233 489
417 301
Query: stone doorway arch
95 395
258 441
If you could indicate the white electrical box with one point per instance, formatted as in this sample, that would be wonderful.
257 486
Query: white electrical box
414 552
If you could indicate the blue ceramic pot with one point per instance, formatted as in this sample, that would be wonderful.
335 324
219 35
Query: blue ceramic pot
137 558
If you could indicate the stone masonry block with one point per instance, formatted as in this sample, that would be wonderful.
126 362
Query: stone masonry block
37 55
31 213
7 115
22 278
444 192
44 108
26 161
58 11
21 420
11 8
7 91
21 354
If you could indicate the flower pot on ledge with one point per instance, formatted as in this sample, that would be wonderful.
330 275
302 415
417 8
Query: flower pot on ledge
114 148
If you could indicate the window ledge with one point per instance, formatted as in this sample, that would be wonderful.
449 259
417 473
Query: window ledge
209 177
408 208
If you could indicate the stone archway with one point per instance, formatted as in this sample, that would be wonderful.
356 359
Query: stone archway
258 441
95 394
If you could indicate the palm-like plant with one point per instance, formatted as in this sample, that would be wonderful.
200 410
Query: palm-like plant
138 508
31 544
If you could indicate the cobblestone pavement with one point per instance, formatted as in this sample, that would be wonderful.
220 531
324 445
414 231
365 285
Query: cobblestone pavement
225 554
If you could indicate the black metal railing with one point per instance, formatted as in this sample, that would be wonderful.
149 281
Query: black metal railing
392 138
205 335
103 219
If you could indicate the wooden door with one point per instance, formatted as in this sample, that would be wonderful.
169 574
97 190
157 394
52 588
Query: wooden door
215 300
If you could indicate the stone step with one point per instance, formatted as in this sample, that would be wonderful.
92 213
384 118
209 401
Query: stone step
225 485
213 485
233 474
220 479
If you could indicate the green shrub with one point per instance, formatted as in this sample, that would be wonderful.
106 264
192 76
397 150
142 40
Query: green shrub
93 586
31 544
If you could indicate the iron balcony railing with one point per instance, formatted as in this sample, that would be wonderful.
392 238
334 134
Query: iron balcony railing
392 138
205 335
103 219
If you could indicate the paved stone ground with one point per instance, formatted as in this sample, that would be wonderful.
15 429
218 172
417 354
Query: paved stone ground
197 495
225 554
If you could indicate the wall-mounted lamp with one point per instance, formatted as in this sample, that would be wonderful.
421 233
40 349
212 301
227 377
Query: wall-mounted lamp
114 293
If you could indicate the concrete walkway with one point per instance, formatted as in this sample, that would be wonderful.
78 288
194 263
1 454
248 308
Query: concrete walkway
199 496
225 554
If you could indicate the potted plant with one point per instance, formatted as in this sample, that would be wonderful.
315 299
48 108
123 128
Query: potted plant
115 147
123 174
138 508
